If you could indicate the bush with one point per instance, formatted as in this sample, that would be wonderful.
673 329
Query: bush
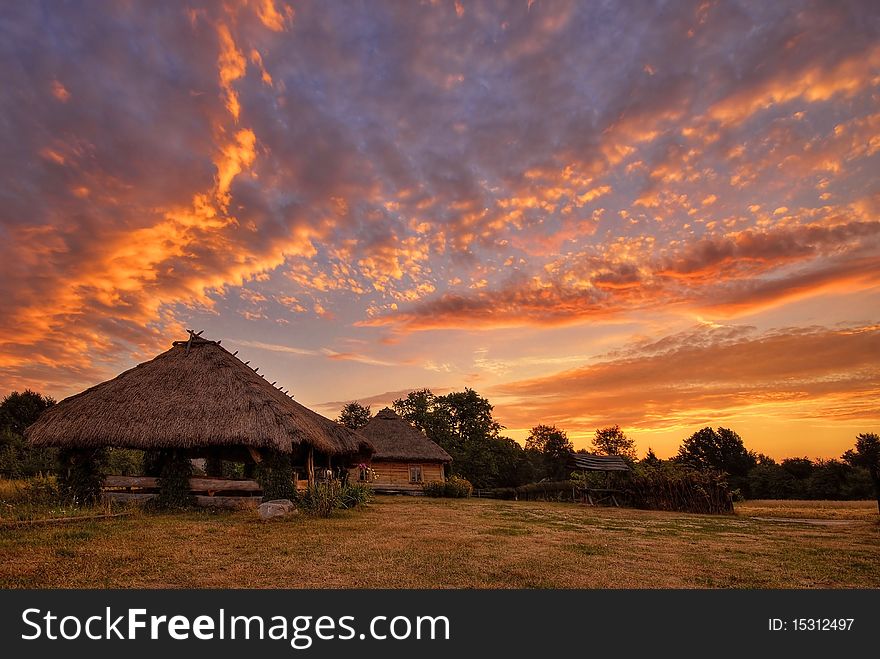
503 493
458 488
548 491
81 474
321 499
680 489
434 489
175 471
455 487
275 475
41 491
355 495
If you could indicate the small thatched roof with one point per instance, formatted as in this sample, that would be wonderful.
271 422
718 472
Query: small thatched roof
593 462
197 394
397 439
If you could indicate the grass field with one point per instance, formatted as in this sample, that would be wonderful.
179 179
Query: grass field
412 542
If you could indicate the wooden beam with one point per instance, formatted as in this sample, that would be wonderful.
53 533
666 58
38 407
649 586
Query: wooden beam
310 465
255 454
195 484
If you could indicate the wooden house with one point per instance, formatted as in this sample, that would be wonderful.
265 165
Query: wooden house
404 457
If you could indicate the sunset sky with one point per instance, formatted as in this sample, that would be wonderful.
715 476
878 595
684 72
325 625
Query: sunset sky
662 215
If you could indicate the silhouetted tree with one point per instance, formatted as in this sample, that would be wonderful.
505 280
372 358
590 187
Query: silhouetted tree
722 450
354 415
867 455
613 441
651 459
553 444
19 410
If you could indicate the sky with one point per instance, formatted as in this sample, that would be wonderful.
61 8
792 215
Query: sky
662 215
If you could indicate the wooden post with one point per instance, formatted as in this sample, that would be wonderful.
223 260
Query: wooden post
310 466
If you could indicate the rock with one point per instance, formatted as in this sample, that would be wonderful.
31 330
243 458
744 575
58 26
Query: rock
277 508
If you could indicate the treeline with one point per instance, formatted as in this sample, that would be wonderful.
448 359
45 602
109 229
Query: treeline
463 424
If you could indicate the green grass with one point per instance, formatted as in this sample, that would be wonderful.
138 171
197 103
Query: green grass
413 542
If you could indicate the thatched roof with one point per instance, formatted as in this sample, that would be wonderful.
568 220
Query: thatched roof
197 394
397 439
593 462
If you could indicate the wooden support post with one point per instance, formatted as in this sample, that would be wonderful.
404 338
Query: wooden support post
310 466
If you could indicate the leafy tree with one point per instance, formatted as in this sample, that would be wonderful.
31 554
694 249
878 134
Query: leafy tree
867 455
462 423
354 415
470 415
771 481
19 410
18 459
423 409
417 408
555 448
613 441
800 468
722 450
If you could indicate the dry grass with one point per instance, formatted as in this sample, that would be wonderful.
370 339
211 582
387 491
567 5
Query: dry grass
849 510
414 542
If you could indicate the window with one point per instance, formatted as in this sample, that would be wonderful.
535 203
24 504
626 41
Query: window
364 474
415 474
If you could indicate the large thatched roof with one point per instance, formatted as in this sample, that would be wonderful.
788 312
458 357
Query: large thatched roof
197 394
396 439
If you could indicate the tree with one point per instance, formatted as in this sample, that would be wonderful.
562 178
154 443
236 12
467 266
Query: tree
19 410
613 441
470 415
462 423
417 408
555 448
720 449
354 415
867 455
651 459
18 459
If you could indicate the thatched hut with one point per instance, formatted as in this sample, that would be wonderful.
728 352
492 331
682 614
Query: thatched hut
404 458
200 398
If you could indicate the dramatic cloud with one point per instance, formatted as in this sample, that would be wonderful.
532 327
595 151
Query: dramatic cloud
364 186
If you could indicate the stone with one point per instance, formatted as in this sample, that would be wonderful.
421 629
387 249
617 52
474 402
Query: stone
277 508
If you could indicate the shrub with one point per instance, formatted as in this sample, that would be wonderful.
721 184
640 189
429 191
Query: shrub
680 489
40 491
548 491
455 487
321 499
275 475
81 474
354 495
173 481
503 493
458 488
434 488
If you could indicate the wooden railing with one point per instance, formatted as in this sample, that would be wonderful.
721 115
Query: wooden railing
207 491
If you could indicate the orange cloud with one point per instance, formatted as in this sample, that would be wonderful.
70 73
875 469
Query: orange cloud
694 378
